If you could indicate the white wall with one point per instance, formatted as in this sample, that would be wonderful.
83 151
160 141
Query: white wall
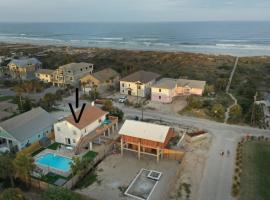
67 130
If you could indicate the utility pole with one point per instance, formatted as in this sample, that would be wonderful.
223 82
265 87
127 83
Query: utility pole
253 110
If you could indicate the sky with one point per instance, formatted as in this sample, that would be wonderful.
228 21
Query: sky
133 10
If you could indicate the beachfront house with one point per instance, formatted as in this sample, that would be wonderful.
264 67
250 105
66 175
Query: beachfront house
167 88
93 125
23 68
45 75
25 129
71 73
103 80
145 138
138 83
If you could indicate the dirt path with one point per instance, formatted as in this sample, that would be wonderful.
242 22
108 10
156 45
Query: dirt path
227 113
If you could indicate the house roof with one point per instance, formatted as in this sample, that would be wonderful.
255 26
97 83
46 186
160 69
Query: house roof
45 71
76 66
166 83
191 83
141 76
90 114
105 74
28 124
170 83
24 62
143 130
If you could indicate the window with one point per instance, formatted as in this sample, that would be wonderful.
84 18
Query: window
86 68
123 91
69 71
159 97
74 133
81 69
99 120
58 129
159 90
71 78
123 85
85 130
139 87
74 141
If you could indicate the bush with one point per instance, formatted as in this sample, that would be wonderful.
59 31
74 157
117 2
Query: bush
58 193
12 194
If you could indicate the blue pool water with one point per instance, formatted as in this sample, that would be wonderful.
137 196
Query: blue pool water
55 161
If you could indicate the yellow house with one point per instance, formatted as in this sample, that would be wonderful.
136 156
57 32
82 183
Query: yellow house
45 75
138 83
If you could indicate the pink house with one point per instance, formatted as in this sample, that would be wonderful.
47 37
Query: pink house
166 89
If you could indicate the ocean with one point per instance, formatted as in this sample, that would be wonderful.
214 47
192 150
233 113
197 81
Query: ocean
234 38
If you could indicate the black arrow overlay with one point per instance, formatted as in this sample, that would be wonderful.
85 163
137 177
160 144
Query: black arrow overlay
77 120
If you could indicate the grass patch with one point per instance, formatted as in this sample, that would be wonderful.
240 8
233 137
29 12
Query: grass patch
90 155
6 98
52 177
54 146
37 151
87 180
255 177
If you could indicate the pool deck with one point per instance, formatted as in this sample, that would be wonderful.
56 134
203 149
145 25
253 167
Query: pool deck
50 169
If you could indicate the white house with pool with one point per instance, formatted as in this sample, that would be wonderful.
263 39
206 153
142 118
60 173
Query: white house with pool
94 126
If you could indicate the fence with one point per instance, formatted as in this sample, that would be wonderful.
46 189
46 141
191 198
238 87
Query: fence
173 154
107 148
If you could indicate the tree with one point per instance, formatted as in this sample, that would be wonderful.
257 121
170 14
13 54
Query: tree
75 166
209 89
194 102
117 113
218 111
221 84
7 168
19 92
58 193
94 93
236 113
49 100
108 105
12 194
24 165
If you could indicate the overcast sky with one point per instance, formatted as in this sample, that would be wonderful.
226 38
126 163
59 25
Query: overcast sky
132 10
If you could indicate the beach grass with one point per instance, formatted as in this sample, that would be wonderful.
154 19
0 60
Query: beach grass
255 178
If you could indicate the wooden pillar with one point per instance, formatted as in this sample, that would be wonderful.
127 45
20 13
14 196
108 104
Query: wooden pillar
139 150
90 146
158 154
122 143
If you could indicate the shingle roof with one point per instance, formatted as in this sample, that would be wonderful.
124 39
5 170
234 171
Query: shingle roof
90 114
141 76
76 65
105 74
45 71
24 62
143 130
28 124
170 83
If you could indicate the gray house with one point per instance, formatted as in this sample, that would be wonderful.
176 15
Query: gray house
25 129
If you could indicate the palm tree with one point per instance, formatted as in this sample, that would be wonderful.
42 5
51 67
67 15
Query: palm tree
19 91
24 165
7 168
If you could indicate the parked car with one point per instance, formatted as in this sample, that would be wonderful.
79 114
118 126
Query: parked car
122 99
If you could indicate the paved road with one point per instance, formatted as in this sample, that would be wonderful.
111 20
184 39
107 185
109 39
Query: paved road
218 172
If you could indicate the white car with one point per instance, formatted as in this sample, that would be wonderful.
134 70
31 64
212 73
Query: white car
122 99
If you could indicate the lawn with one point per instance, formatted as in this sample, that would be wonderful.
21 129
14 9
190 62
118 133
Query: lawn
255 178
54 146
90 155
5 98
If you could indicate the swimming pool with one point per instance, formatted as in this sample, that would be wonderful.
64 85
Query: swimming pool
55 161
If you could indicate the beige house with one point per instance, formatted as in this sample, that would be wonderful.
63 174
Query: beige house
71 73
167 88
138 83
24 68
45 75
102 79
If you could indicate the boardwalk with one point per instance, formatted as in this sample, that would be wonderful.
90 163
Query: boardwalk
227 113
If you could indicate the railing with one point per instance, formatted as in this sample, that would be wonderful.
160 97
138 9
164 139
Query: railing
97 132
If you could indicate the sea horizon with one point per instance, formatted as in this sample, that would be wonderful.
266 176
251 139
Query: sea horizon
237 38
